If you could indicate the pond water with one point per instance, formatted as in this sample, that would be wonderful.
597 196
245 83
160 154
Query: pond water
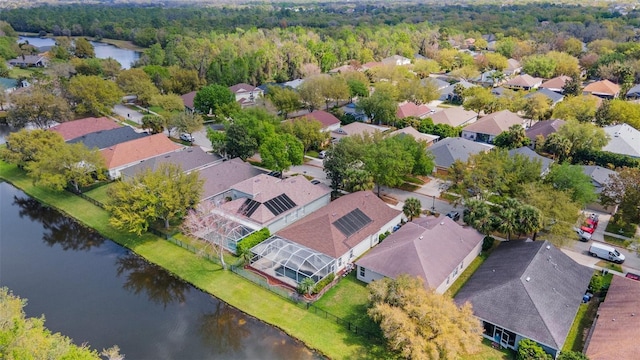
125 57
95 291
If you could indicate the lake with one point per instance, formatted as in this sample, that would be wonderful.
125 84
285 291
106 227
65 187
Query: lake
125 57
95 291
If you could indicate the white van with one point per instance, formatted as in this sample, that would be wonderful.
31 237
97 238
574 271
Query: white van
606 252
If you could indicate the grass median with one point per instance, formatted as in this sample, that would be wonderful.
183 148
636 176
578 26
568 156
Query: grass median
318 333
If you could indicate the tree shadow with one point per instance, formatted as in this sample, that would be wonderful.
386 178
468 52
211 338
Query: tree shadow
60 229
224 329
160 286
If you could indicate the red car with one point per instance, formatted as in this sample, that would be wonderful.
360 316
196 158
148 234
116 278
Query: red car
590 224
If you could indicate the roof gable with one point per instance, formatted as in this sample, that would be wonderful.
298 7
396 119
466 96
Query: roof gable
454 116
604 87
221 177
623 139
138 150
188 159
187 99
243 88
417 135
557 83
325 118
430 248
318 231
524 80
447 151
531 288
544 128
495 123
72 129
409 108
105 138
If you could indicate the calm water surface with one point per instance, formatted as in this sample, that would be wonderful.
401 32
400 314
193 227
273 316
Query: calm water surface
125 57
95 291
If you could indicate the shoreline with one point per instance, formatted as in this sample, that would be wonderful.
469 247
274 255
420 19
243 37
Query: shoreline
322 336
121 44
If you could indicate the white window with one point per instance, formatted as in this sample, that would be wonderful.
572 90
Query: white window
362 271
350 253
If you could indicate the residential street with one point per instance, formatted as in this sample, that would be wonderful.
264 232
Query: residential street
579 251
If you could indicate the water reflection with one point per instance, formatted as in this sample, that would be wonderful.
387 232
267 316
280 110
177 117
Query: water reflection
160 286
224 328
60 230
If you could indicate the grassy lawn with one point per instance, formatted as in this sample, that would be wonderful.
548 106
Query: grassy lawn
615 241
100 193
324 335
628 230
312 153
487 352
349 300
408 187
584 319
17 72
466 274
609 265
413 180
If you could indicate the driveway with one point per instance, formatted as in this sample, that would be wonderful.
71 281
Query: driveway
128 114
603 221
579 251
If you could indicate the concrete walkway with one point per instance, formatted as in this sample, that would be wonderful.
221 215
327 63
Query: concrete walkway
128 114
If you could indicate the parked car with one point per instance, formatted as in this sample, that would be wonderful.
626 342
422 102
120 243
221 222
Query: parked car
583 235
277 174
455 215
315 181
322 154
606 252
632 276
590 224
186 137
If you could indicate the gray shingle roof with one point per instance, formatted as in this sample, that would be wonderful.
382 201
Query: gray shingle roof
624 140
530 288
599 176
553 96
544 128
430 248
448 150
221 177
533 156
106 138
189 158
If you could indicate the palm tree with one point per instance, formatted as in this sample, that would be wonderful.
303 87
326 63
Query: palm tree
306 286
530 220
412 208
508 215
479 216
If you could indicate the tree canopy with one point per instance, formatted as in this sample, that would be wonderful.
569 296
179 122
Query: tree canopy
215 99
420 324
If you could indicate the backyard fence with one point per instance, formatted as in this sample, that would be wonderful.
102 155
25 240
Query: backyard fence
367 333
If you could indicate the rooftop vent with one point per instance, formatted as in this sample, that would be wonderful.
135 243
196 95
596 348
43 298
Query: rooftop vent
528 279
421 237
548 247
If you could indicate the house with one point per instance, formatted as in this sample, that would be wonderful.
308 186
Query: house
370 65
123 155
410 109
344 69
543 129
218 179
187 99
447 151
600 177
556 84
617 326
73 129
396 60
356 128
553 96
489 78
30 61
328 240
434 249
545 163
604 89
490 126
634 93
435 82
448 93
527 290
246 94
417 135
513 67
106 138
189 159
454 116
623 140
266 201
329 121
523 82
358 114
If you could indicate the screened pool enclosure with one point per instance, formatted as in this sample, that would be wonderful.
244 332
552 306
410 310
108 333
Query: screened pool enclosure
289 262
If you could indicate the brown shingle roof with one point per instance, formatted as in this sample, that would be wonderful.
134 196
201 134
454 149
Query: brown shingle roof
617 327
454 116
495 123
525 80
408 108
187 99
221 177
73 129
242 88
544 128
324 117
137 150
263 188
317 232
555 84
602 87
430 248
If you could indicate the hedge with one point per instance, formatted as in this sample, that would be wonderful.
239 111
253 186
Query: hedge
323 283
252 240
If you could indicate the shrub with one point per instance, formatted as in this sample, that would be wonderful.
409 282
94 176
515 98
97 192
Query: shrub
383 236
487 243
595 285
530 350
252 240
323 283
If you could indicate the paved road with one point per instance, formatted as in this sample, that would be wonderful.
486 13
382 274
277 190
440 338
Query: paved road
127 113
